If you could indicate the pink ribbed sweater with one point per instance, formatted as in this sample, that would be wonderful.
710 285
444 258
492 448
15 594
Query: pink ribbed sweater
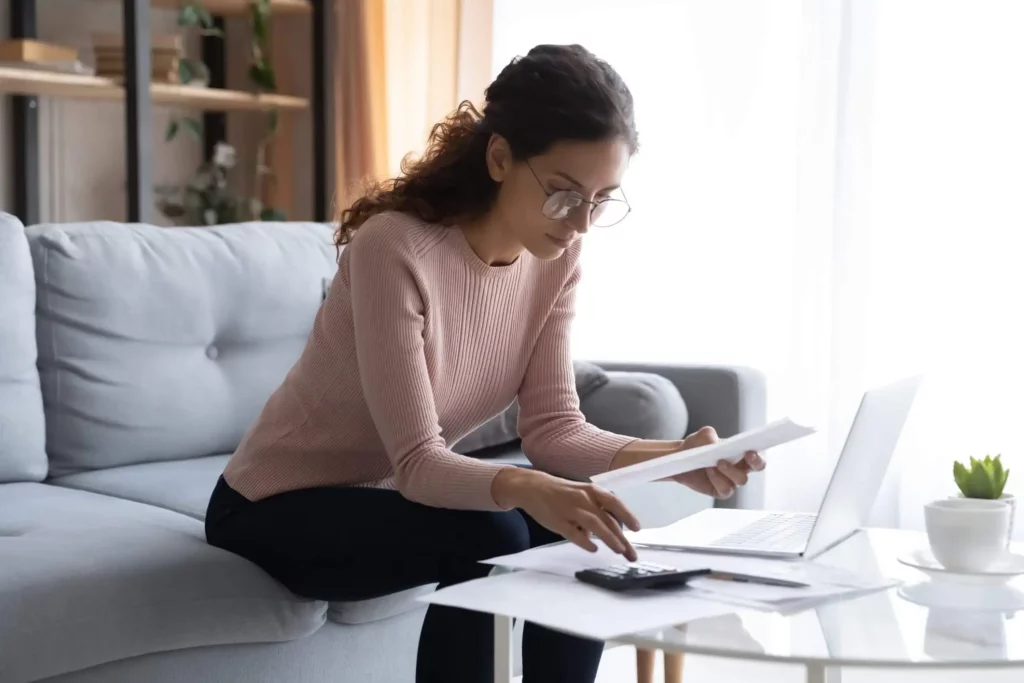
418 343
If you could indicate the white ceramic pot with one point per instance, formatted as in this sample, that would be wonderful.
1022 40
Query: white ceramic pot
967 534
1010 500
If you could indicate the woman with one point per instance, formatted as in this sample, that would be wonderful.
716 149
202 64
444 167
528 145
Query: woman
454 296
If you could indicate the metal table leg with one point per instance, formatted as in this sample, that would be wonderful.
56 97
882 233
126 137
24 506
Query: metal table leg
820 673
502 649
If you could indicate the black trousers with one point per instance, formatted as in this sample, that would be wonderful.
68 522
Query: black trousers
352 543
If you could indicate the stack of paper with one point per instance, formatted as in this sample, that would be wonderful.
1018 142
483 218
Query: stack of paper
824 583
575 607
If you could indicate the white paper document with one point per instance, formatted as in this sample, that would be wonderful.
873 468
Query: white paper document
575 607
824 583
731 449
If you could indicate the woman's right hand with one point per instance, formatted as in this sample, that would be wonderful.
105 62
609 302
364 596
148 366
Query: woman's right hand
574 510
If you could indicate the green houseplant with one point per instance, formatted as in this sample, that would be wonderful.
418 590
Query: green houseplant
985 479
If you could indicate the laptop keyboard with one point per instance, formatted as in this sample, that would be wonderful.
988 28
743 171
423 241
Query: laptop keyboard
775 532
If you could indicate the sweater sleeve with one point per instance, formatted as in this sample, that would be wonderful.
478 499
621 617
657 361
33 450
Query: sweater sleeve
387 312
556 437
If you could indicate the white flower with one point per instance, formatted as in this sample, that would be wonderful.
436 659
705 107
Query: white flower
224 155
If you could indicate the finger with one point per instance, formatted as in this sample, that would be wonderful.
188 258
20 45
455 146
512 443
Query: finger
753 461
597 526
579 536
723 487
614 525
734 474
702 437
616 507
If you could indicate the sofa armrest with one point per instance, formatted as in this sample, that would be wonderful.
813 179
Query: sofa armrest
731 399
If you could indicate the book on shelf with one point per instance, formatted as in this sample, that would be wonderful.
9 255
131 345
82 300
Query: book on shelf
162 64
169 77
74 67
108 42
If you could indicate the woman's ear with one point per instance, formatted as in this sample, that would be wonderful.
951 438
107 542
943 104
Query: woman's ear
499 157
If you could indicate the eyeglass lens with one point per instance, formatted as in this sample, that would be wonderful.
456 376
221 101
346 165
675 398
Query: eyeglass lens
604 213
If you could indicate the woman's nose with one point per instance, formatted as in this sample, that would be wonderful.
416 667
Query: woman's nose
580 219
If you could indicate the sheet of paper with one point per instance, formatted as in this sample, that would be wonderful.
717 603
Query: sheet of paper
565 559
825 582
753 594
731 449
575 607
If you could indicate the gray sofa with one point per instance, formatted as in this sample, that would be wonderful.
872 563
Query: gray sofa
132 359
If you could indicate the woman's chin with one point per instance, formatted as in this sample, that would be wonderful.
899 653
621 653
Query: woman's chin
548 253
546 249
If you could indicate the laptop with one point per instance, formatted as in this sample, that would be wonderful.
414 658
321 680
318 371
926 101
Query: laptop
851 493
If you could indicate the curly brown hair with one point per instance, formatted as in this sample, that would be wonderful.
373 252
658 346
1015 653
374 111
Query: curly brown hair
554 93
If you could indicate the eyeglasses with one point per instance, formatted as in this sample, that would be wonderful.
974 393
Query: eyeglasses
604 213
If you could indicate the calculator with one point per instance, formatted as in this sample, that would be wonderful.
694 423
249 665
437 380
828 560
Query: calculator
637 575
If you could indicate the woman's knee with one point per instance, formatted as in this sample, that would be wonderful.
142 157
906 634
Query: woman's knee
491 534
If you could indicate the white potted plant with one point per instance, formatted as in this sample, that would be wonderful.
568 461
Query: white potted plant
985 480
969 533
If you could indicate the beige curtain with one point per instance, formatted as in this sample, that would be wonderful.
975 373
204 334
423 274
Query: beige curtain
402 66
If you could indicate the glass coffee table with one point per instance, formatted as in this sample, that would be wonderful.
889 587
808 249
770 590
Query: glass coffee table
925 622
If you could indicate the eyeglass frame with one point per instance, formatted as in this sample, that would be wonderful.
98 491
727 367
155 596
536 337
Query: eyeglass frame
583 200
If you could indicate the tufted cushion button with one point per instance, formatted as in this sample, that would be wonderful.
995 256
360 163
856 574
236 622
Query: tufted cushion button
212 352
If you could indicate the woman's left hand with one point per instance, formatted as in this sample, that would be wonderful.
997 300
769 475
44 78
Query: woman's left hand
719 481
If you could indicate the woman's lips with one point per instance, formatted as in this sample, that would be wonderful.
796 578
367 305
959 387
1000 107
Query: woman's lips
561 242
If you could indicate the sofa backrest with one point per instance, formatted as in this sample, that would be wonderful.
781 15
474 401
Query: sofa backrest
22 430
164 343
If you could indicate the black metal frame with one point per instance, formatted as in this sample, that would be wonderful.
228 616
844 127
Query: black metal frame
324 184
215 123
25 125
139 111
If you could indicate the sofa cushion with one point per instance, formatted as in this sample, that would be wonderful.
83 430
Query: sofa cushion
162 344
88 579
378 609
640 404
185 485
180 485
22 426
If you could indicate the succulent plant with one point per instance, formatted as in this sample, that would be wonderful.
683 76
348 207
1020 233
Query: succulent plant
985 479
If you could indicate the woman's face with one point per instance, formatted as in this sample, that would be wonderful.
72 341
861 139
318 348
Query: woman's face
579 172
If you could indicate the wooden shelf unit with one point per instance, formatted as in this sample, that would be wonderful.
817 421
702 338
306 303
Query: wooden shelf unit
28 81
23 84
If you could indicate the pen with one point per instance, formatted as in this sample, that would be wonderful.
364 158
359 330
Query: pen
765 580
